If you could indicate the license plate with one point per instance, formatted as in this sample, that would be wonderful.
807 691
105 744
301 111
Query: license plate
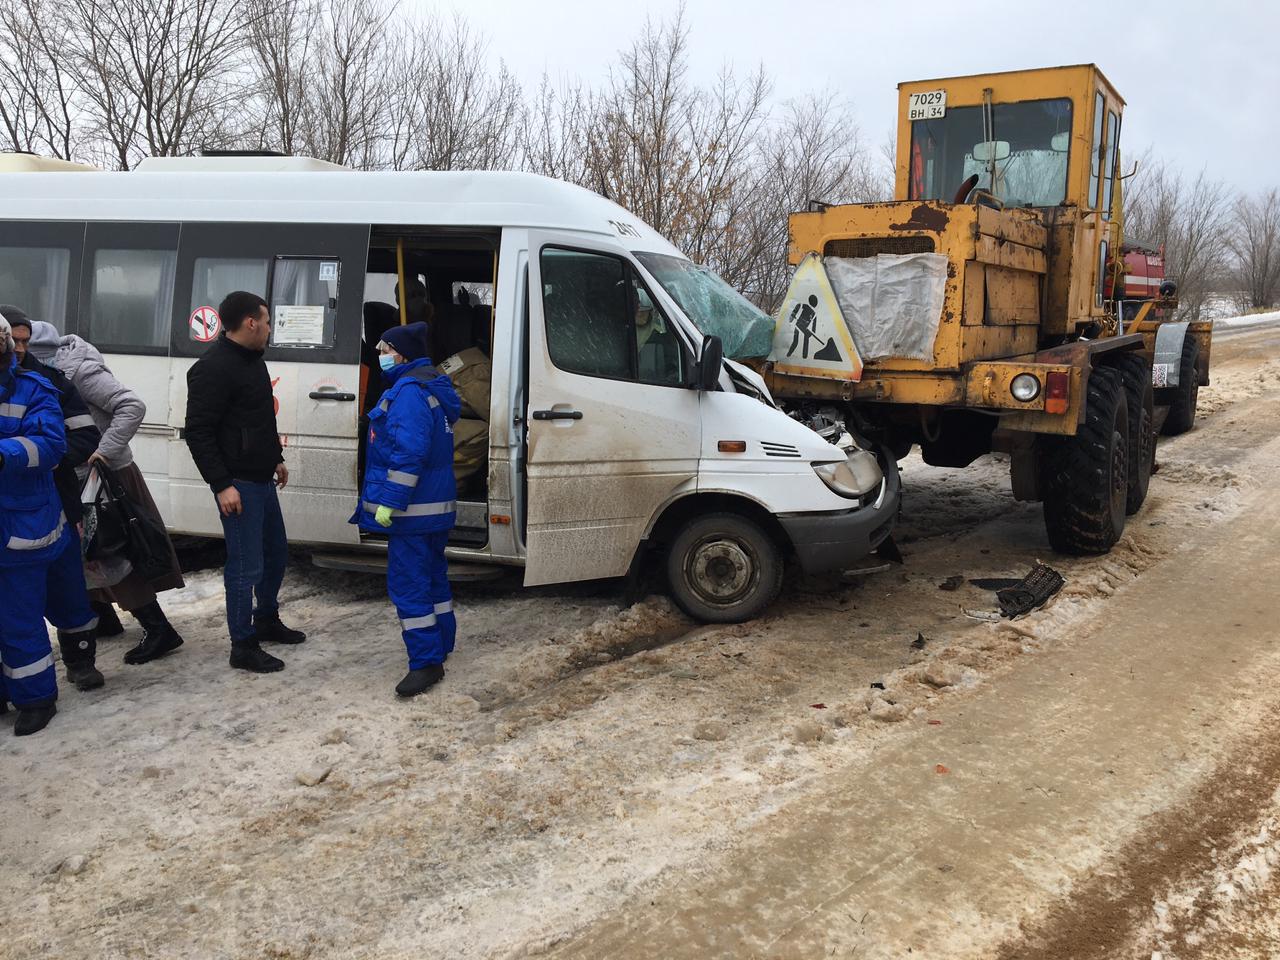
927 106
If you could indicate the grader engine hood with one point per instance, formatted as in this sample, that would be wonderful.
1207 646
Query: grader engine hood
909 286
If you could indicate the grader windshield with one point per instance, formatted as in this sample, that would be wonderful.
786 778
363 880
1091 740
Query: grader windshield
1018 151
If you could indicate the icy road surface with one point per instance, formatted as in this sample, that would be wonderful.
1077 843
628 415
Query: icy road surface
1095 780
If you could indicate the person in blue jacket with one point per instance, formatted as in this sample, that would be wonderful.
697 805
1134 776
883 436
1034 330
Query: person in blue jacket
33 535
409 494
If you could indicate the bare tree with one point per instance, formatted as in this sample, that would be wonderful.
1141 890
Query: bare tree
1255 240
1189 220
39 88
279 61
448 110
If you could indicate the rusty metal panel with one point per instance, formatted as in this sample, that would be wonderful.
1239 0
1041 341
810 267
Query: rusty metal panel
975 301
1013 297
992 342
1009 254
858 247
1020 226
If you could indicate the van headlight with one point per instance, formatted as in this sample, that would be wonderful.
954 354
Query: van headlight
854 477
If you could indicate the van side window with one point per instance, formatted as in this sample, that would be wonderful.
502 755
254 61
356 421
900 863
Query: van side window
212 279
35 278
603 322
304 301
131 297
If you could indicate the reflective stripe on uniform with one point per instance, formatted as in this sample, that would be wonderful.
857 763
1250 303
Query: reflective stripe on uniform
91 625
443 608
385 405
432 401
15 410
30 670
79 422
417 623
419 509
22 543
402 478
33 452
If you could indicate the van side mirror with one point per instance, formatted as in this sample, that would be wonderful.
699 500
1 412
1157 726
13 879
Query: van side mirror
710 363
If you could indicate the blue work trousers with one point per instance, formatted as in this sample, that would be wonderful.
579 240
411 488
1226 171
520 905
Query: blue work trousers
66 603
257 553
26 658
418 585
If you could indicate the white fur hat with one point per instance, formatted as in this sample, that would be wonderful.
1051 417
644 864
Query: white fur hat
6 337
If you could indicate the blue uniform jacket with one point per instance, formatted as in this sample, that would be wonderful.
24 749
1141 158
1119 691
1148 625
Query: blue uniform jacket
32 441
410 456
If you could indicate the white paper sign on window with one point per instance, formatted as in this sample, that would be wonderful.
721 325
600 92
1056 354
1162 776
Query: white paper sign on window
298 326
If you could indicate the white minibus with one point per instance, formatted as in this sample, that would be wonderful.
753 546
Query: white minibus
612 434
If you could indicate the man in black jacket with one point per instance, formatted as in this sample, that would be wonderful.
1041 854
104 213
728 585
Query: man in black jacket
232 434
67 601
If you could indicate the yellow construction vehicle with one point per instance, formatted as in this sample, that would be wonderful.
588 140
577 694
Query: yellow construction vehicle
984 309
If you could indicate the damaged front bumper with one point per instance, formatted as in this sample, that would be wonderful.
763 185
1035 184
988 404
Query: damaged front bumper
836 540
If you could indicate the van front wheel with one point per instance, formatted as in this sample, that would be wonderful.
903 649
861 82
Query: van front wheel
724 568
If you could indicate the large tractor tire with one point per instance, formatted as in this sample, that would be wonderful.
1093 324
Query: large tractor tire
1182 409
724 568
1139 395
1085 478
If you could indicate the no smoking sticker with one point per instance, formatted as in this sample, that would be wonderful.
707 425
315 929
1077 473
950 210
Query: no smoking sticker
205 324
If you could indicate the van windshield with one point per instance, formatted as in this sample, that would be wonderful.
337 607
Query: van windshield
715 307
1026 149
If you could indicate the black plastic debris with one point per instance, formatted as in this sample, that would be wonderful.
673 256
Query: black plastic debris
954 582
1033 591
877 685
919 642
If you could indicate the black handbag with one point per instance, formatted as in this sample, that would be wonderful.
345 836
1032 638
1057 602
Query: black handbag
116 526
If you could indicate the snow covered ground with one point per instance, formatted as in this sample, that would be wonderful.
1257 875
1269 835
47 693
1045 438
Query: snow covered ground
576 757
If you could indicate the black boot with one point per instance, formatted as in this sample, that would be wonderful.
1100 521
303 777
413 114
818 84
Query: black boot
33 718
249 656
79 650
158 639
269 629
109 624
421 680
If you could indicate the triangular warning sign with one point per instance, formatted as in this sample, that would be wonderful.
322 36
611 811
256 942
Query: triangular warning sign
811 337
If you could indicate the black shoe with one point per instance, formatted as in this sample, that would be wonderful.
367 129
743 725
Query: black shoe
33 719
419 681
109 624
79 651
269 629
251 657
159 637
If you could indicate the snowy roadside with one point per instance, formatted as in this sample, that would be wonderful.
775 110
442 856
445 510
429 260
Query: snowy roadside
575 755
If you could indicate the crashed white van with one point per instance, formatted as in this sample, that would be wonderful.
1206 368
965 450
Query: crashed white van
610 431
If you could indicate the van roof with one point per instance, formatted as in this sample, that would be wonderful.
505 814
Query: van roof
452 198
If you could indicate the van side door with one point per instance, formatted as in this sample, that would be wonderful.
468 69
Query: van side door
613 429
312 277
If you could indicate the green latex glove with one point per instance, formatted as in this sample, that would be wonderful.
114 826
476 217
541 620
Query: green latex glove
383 516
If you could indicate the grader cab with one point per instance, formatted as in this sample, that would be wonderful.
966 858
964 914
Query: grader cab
986 309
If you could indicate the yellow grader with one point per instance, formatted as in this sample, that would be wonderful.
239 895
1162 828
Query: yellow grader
987 308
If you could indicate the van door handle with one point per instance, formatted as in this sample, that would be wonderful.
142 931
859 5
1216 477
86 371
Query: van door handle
557 414
331 395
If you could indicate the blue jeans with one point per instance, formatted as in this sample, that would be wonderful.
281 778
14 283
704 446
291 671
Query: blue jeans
257 552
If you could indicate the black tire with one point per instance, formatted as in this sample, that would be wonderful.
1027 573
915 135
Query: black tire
1085 478
724 568
1139 395
1182 411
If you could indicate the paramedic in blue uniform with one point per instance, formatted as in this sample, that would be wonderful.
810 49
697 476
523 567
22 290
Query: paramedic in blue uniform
32 535
409 494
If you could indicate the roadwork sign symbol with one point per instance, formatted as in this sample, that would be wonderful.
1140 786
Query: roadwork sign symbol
205 324
811 337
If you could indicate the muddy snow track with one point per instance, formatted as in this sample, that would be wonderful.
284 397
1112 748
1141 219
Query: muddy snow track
578 762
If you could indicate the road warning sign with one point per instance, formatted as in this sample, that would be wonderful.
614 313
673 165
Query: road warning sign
811 337
205 324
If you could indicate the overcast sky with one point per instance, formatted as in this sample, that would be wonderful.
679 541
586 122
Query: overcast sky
1201 80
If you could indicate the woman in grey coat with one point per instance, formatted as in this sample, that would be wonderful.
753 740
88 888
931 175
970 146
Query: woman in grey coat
118 413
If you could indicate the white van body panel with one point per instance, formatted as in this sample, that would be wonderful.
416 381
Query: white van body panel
570 499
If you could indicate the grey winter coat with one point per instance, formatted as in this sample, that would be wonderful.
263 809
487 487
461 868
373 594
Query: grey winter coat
117 410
